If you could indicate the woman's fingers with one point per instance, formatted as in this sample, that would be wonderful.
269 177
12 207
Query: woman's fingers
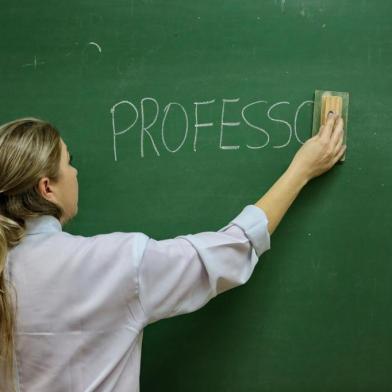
338 147
338 135
337 130
338 144
340 153
332 135
326 130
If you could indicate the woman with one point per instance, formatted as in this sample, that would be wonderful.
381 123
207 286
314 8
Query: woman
73 308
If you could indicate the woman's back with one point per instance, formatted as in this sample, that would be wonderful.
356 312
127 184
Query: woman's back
83 301
78 323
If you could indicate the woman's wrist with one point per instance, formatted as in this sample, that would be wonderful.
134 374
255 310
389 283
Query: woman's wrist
298 175
281 195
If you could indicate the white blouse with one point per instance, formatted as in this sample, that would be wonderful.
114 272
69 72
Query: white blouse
83 301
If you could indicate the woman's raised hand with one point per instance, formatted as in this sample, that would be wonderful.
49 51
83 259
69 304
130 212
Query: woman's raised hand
322 151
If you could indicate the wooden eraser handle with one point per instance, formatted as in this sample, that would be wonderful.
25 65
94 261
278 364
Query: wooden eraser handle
330 103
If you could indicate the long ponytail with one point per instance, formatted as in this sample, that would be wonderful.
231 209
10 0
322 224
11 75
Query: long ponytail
11 234
29 150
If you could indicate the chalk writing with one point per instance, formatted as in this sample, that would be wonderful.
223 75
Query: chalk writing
161 122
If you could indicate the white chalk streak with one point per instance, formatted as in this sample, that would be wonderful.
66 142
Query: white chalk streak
254 126
280 121
166 111
227 124
114 130
296 119
34 64
144 129
200 125
96 45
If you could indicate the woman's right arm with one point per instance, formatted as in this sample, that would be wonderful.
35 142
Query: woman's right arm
180 275
316 156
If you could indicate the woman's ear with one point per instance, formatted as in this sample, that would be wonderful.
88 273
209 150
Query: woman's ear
45 188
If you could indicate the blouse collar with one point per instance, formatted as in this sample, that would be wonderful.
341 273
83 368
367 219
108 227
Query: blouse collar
42 224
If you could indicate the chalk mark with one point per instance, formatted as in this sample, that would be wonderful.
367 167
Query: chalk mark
96 45
35 64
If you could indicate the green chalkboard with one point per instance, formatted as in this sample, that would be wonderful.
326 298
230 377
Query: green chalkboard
180 113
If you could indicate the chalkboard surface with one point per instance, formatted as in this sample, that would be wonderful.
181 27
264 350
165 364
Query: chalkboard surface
180 113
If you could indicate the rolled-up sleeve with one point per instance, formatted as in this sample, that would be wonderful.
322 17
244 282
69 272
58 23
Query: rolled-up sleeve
181 275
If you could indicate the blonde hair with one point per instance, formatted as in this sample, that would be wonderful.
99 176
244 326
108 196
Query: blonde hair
29 150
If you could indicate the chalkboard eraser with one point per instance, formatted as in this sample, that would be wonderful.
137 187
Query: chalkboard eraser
330 101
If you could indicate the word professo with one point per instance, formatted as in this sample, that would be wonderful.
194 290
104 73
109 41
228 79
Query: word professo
159 121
